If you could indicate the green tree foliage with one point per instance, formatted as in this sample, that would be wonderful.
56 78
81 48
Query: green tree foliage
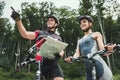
68 28
35 14
2 4
85 7
5 31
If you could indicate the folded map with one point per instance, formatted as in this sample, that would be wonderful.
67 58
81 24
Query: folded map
52 46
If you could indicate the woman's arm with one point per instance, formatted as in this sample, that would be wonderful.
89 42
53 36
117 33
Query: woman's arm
76 55
98 37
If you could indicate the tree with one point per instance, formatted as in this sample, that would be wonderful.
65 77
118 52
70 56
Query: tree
5 31
68 27
2 4
85 7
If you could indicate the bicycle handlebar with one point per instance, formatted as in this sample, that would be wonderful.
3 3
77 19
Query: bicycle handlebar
118 45
41 36
37 44
89 56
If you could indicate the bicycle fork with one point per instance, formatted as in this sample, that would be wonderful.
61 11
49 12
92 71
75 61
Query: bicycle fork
38 72
94 72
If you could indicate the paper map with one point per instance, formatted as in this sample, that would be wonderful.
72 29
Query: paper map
51 47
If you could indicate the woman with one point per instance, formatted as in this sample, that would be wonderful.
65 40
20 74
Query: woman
90 43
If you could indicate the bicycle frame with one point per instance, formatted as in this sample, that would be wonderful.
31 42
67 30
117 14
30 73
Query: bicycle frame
29 60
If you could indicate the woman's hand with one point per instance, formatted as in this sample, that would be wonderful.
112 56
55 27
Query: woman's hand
110 49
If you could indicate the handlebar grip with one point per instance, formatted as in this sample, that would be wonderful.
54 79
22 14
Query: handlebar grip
71 60
74 59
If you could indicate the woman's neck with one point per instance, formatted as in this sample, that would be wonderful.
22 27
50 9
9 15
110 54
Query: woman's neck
88 32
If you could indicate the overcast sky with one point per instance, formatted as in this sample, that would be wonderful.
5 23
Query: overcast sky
58 3
16 4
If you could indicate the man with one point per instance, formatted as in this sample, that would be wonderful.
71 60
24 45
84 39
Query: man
50 67
90 43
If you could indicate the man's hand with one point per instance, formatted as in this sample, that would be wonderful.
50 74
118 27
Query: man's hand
68 59
15 15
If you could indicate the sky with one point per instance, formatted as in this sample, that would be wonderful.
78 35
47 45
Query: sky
17 3
58 3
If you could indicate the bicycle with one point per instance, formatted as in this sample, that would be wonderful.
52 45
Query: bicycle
90 57
39 58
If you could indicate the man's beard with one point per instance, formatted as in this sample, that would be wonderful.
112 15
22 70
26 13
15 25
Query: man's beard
53 27
50 28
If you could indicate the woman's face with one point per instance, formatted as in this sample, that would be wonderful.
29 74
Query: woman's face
85 25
